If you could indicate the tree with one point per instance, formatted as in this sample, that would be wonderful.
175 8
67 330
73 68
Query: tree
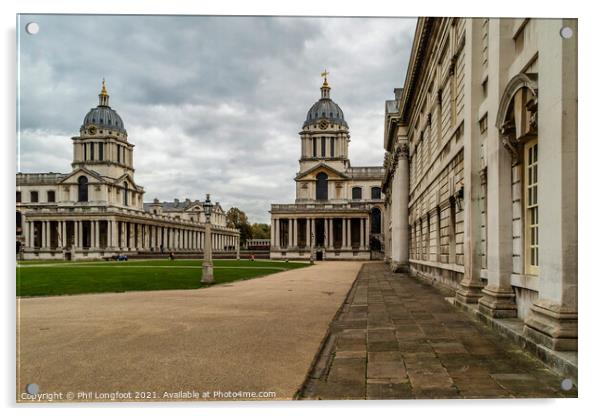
236 218
260 230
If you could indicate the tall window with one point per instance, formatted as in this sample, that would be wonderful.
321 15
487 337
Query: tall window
451 232
101 151
92 151
125 194
315 146
18 196
323 146
82 189
375 192
33 196
332 147
118 154
531 209
50 196
356 193
321 186
85 147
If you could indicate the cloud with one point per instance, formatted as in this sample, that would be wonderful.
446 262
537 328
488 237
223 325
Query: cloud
213 104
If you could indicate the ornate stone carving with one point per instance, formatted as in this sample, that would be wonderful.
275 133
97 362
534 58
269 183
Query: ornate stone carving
508 132
404 151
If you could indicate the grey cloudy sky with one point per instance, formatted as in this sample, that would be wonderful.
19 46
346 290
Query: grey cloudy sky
213 104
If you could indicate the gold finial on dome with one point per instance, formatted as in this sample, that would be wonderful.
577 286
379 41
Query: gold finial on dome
103 97
104 88
325 75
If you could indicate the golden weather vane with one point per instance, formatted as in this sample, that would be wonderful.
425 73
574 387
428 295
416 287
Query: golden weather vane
325 74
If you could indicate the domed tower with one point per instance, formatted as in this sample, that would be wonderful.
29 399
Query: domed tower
325 134
102 144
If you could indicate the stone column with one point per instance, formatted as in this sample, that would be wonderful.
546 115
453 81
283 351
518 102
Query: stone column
131 243
26 232
344 227
44 232
80 234
498 296
97 234
307 232
277 234
313 231
399 212
362 242
295 234
330 233
273 233
290 233
552 320
470 285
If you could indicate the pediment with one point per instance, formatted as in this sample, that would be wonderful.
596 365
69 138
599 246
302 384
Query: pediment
310 174
92 176
126 178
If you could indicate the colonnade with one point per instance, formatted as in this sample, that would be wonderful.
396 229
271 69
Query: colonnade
122 235
289 233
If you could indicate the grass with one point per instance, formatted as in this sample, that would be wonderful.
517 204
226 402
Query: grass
55 278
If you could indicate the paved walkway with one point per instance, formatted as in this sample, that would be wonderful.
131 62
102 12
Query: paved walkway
259 335
397 338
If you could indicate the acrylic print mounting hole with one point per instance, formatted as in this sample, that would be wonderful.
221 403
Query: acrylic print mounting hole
32 28
566 32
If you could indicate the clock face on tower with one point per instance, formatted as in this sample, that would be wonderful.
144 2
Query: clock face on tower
323 124
92 130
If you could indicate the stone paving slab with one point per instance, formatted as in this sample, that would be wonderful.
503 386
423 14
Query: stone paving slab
398 338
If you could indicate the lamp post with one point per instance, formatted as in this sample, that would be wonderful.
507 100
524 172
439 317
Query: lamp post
207 262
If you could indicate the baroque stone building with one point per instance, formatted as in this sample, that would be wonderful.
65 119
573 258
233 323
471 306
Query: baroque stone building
481 170
338 208
97 209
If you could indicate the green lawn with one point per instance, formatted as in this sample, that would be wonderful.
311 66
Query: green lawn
55 278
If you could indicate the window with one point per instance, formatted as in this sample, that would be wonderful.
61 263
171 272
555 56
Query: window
118 154
332 147
19 220
50 196
483 124
101 151
375 192
321 186
85 147
33 196
82 189
315 145
125 194
356 193
531 209
451 232
323 147
18 196
92 151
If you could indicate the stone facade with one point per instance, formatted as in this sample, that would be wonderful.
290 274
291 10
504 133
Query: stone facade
338 208
97 209
481 169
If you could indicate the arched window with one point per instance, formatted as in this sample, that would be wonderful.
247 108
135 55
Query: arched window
82 189
356 193
125 194
375 192
321 186
375 221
